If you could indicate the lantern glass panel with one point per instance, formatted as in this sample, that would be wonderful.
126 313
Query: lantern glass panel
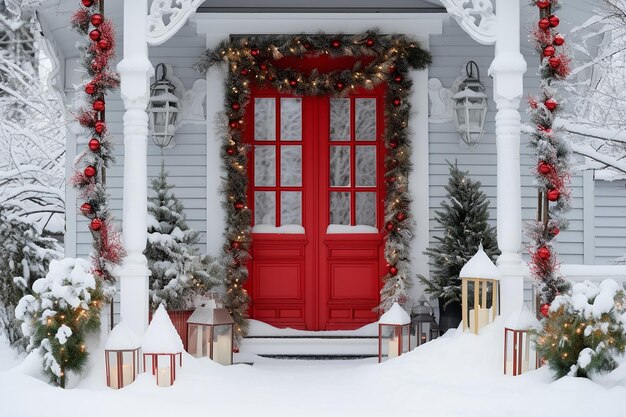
198 340
479 299
520 352
223 344
122 367
165 371
393 340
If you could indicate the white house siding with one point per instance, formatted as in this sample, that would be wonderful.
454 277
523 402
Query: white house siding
610 221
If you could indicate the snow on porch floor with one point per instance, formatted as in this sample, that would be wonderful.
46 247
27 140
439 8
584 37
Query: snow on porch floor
457 375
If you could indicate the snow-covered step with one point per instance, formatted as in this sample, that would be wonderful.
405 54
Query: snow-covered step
303 347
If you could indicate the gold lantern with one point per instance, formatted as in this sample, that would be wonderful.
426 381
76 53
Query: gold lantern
479 291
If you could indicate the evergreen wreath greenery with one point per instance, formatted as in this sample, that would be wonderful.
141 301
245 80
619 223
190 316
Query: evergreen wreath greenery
250 59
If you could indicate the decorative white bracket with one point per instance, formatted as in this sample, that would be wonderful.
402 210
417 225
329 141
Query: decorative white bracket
475 17
166 17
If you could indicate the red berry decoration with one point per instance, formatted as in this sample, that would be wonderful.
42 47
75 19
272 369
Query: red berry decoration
544 168
555 231
369 42
549 51
98 105
90 88
239 205
543 4
104 44
231 151
551 104
389 226
86 208
96 224
400 216
545 309
100 126
94 35
553 194
554 20
558 39
254 52
393 270
544 23
554 62
235 106
293 82
90 171
398 78
543 253
393 144
336 43
96 19
339 86
397 102
94 144
87 3
96 67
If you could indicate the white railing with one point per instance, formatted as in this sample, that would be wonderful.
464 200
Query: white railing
594 273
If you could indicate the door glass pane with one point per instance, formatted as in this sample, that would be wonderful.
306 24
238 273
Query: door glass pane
365 123
290 119
265 166
291 165
366 208
265 207
340 166
366 166
339 119
340 208
291 207
264 119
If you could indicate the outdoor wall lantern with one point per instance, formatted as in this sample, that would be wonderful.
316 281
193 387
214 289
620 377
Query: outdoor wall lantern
210 332
470 106
423 323
393 333
479 291
121 356
520 355
163 109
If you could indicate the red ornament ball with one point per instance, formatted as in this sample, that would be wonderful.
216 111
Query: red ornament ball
543 253
94 35
544 23
369 42
271 78
339 86
263 66
336 43
543 4
401 216
553 194
293 82
100 126
392 69
90 88
549 51
86 208
254 52
307 46
554 62
393 144
235 106
389 226
239 205
96 19
558 39
397 102
104 44
555 231
393 270
235 245
231 151
545 310
554 20
244 71
87 3
234 124
94 144
398 78
90 171
96 224
544 168
98 105
551 104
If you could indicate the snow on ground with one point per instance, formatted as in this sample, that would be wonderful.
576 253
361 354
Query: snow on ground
456 375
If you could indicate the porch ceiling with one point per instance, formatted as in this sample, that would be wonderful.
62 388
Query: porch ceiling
322 6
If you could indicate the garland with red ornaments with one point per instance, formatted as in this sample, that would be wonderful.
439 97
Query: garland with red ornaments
552 166
251 60
97 54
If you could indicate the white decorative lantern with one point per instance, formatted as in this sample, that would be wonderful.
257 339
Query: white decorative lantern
161 345
121 356
479 291
163 109
520 355
470 106
394 333
210 332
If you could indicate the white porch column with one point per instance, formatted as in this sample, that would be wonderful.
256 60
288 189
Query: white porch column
135 70
508 69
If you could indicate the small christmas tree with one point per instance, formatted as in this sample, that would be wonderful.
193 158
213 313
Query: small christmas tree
464 222
179 273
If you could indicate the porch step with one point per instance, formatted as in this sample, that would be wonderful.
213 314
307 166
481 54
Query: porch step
312 347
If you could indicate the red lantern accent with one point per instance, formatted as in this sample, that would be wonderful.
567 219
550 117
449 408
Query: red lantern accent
244 71
369 42
90 171
95 224
98 105
94 144
549 51
553 194
400 216
554 62
86 209
389 226
104 44
254 52
559 39
543 253
551 104
239 205
554 20
94 35
555 231
336 43
339 86
293 82
544 23
545 309
543 4
231 151
393 270
87 3
234 124
235 106
90 88
393 144
96 19
100 126
544 168
398 78
397 102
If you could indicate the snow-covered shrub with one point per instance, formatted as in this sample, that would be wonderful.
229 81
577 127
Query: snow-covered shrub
584 331
63 308
24 257
179 273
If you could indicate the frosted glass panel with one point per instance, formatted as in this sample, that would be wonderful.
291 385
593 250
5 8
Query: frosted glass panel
290 119
340 208
291 165
366 166
339 166
265 207
265 119
291 207
366 208
265 165
339 119
365 121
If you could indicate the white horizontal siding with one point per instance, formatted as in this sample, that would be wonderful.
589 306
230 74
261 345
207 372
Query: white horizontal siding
610 221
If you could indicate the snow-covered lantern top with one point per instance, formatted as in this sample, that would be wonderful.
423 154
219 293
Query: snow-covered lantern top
210 332
479 291
161 344
121 356
163 109
393 333
519 354
423 323
470 106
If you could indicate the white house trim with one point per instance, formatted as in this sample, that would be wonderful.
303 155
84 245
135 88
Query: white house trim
166 17
477 19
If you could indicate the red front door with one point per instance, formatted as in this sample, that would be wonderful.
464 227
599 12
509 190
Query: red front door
316 192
